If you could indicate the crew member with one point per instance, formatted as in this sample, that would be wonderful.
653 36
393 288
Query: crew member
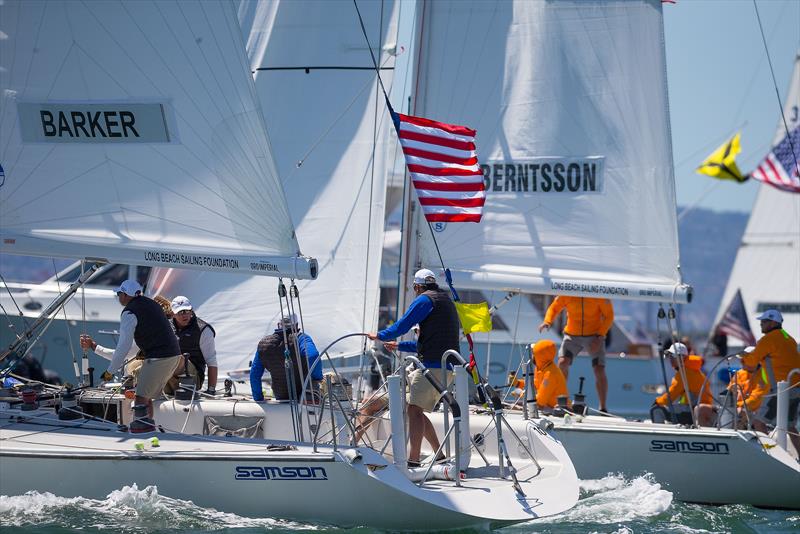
776 352
433 310
677 393
549 380
272 353
588 322
196 338
143 321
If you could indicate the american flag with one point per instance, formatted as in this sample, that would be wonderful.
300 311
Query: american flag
444 168
779 169
734 322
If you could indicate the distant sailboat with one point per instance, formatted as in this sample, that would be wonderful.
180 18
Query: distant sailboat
767 265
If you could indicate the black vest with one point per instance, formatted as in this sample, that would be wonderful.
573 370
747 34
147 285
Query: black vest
154 333
438 332
271 354
189 341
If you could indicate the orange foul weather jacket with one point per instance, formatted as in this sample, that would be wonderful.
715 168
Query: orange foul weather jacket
695 377
782 351
585 316
549 380
753 387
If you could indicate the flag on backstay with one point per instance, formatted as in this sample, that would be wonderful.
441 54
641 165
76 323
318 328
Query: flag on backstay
780 168
734 322
722 162
443 166
474 317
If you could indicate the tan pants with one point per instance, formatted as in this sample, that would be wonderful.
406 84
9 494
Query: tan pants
154 374
172 383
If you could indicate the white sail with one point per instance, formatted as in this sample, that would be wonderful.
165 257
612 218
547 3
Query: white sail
132 133
569 100
767 266
333 119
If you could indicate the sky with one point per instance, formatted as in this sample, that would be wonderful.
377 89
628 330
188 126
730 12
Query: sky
720 83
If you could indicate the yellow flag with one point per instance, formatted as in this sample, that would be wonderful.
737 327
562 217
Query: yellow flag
722 163
474 317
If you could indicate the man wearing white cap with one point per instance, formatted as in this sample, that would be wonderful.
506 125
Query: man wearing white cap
433 310
143 321
271 355
776 352
196 338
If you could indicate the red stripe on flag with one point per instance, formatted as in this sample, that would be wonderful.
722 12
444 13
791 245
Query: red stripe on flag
441 141
439 157
433 171
450 128
458 202
775 171
444 186
453 217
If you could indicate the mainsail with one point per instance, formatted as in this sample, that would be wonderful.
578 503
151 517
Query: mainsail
569 100
131 132
767 266
328 126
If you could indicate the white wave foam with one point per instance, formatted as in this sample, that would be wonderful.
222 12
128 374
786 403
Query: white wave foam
615 500
129 508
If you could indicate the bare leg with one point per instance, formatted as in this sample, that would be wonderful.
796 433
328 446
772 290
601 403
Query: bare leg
366 414
704 414
430 434
416 428
601 382
563 364
795 440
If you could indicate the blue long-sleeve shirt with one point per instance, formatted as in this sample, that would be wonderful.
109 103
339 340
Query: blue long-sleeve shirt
307 349
418 311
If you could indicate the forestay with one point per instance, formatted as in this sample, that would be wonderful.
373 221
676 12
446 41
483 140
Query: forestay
767 266
131 132
331 119
569 100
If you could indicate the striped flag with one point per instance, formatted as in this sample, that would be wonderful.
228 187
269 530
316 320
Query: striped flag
734 322
444 168
780 169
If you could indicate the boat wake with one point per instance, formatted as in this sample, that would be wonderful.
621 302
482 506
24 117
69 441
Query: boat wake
614 499
128 509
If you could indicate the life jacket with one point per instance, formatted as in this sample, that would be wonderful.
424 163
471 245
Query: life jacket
548 379
189 341
586 316
271 352
438 332
153 334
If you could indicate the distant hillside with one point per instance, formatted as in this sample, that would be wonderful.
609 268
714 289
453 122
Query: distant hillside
29 269
708 244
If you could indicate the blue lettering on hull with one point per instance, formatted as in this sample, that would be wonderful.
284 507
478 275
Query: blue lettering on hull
690 447
280 473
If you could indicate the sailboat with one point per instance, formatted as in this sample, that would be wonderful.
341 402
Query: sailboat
133 133
570 103
771 241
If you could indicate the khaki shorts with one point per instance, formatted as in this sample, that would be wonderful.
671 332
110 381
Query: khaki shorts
421 392
571 346
173 382
154 374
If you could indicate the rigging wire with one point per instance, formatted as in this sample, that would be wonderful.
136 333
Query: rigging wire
775 85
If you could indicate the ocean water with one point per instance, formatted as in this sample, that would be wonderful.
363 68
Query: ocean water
609 505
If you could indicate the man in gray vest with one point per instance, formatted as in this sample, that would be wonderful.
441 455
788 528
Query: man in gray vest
144 321
433 310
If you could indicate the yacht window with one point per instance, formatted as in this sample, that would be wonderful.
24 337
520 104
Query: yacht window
142 273
112 276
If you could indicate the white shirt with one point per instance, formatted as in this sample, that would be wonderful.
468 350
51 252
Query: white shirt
127 325
208 348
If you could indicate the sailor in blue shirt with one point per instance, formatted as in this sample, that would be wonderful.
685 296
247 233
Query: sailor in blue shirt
434 311
270 356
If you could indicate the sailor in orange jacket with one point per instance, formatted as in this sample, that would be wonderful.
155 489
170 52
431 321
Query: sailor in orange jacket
694 377
588 322
777 354
549 380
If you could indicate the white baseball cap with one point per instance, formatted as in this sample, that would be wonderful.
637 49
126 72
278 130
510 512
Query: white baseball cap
129 287
424 276
771 315
678 349
180 303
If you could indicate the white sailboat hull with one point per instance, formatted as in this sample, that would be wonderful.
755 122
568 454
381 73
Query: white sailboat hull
702 465
352 486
